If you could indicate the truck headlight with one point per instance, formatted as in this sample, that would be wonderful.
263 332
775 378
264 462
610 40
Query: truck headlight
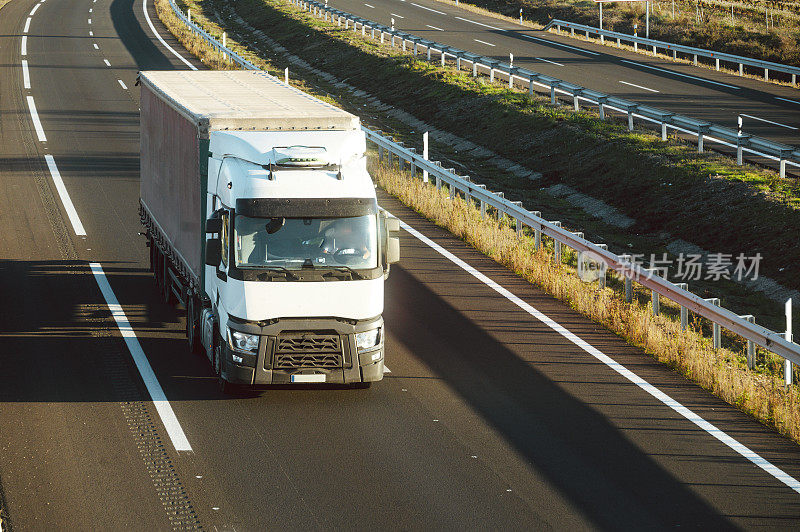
246 343
368 339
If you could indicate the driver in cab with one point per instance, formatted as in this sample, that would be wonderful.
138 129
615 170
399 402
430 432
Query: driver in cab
344 239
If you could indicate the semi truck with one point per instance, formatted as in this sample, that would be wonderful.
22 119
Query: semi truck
262 221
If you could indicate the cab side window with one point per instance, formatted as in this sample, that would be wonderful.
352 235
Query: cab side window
224 238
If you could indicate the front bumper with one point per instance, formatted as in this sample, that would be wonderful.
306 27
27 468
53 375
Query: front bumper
269 367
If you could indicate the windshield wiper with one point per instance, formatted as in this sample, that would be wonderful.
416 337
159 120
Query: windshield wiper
275 271
343 270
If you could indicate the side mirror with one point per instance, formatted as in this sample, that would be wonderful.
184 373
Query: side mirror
214 225
393 250
213 252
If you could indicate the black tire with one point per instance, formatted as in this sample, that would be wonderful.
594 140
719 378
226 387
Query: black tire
166 283
193 332
225 387
361 385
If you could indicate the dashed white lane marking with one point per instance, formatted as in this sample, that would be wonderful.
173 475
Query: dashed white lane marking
23 49
681 75
122 83
162 41
37 124
26 76
91 34
787 100
369 6
90 20
90 10
95 46
27 25
77 226
386 370
553 43
484 42
106 62
396 15
480 24
164 409
428 9
638 86
721 436
548 61
434 27
768 121
33 11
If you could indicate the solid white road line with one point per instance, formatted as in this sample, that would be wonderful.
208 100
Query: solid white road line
23 49
168 47
34 10
96 47
27 25
744 451
682 75
768 121
553 43
122 84
548 61
434 27
427 8
396 15
77 226
484 42
26 76
157 395
37 125
479 24
106 62
638 86
785 100
369 6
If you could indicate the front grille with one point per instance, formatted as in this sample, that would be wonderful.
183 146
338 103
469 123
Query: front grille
308 350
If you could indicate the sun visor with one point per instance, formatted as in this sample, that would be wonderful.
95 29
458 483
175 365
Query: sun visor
306 207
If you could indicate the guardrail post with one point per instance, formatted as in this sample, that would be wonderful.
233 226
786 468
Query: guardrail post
601 106
788 373
766 78
717 61
553 95
372 36
619 43
751 346
630 119
794 80
701 131
741 69
784 154
654 51
557 244
438 177
684 310
530 86
425 155
695 59
674 55
415 48
575 100
401 162
412 163
601 281
428 48
578 255
518 222
491 73
452 186
655 297
716 330
537 232
363 29
474 69
381 36
443 56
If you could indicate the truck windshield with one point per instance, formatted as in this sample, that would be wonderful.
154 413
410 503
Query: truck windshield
295 243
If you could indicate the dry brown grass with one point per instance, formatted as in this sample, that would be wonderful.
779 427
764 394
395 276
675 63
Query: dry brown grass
719 371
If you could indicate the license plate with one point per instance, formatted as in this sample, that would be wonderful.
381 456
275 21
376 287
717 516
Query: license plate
309 378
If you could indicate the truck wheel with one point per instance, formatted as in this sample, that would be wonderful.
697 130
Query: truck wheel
193 325
166 283
224 386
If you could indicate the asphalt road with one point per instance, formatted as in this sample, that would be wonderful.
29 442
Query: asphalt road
490 418
772 111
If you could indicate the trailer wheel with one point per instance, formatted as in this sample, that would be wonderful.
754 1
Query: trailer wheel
193 325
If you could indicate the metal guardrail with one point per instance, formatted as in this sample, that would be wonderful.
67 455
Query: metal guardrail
655 45
631 271
704 131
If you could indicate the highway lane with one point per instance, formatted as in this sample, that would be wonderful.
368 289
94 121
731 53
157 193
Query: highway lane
772 111
488 418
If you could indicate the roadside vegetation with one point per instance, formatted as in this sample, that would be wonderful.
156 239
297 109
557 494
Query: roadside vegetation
759 393
759 29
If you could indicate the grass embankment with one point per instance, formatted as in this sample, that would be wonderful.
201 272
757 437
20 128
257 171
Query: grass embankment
723 372
669 189
701 24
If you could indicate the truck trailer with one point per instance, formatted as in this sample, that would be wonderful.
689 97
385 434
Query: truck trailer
262 220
